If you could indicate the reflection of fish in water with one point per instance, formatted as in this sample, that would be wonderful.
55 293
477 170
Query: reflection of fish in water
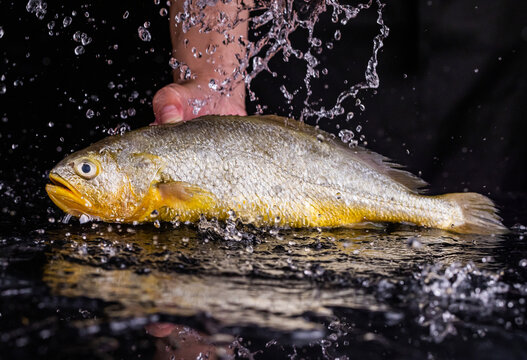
269 170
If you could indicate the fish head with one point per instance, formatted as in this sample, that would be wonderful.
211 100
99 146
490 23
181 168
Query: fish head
99 183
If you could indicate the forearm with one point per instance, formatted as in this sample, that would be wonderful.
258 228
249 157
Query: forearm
209 55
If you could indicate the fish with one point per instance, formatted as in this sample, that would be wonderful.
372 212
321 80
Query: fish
264 170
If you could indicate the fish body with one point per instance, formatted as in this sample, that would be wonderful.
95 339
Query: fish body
268 170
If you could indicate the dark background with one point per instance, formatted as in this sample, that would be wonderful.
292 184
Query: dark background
450 106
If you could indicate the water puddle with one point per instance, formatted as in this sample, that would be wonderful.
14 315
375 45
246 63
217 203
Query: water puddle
314 291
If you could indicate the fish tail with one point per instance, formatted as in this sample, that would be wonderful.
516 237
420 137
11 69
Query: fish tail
478 214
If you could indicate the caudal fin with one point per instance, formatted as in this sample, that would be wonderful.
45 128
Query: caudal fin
479 215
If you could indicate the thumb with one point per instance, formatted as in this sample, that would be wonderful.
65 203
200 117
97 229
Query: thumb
169 104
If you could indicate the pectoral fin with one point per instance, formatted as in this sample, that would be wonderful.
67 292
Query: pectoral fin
186 198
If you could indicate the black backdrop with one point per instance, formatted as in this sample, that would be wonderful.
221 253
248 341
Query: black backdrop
450 105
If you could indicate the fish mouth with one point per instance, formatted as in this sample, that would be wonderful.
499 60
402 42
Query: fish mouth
66 197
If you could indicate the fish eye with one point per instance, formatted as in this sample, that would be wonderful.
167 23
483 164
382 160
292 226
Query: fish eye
86 169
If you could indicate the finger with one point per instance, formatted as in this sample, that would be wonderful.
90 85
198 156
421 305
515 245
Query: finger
160 329
168 104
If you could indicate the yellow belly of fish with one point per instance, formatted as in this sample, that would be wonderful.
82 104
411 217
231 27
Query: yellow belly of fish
320 214
326 216
186 203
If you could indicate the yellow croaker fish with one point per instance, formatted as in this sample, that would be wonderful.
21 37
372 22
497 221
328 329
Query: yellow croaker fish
267 169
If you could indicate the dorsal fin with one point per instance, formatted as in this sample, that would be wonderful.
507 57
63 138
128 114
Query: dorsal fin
387 167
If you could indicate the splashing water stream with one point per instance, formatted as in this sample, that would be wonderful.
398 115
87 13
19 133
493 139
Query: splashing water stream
275 21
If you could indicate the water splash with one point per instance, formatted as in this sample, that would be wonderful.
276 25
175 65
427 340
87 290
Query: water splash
37 7
120 129
274 22
371 77
449 293
79 50
231 230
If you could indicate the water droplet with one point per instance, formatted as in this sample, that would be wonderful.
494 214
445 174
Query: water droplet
85 39
337 35
84 219
126 14
77 36
211 49
3 88
79 50
316 42
523 263
90 113
350 116
286 93
174 64
163 12
414 243
51 124
157 224
213 85
51 25
184 72
346 135
66 21
2 32
476 70
144 34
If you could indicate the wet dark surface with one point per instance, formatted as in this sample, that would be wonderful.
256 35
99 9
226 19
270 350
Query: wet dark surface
105 291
